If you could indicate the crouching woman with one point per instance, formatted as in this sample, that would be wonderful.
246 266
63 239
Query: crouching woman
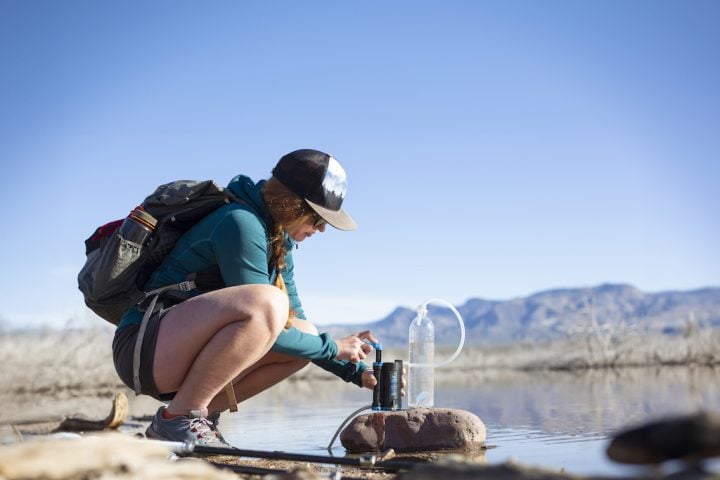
204 353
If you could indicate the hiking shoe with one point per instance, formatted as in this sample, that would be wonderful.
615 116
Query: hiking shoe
193 429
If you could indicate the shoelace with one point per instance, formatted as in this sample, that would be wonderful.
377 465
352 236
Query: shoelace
203 428
214 420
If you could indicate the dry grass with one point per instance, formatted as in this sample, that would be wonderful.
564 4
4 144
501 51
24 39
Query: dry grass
56 360
630 349
63 362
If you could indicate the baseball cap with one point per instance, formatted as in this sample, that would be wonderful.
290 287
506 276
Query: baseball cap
319 179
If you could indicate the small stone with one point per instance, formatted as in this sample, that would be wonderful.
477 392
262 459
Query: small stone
415 429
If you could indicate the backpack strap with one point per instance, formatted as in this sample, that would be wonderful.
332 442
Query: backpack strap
155 294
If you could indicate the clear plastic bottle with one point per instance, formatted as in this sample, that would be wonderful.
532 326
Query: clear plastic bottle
421 384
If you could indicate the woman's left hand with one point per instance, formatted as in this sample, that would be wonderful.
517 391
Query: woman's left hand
369 381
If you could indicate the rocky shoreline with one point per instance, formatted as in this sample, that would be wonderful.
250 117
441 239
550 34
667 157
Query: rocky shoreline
82 448
123 457
48 376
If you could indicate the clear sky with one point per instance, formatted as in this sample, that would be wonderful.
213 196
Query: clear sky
493 149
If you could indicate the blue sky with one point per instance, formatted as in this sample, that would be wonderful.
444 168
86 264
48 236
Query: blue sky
494 149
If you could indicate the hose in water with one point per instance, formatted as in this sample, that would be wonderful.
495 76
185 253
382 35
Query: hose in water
342 425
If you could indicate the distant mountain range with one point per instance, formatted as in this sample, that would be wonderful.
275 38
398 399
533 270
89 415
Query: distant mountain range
606 309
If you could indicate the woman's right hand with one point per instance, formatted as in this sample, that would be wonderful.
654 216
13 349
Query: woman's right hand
353 348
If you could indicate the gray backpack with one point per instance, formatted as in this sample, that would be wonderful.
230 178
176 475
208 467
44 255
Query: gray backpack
122 254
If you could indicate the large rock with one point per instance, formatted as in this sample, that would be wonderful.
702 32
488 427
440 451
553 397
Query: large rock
414 430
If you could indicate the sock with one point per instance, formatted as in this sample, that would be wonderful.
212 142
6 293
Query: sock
169 416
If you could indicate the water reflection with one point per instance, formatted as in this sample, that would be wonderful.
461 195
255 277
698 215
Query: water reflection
555 419
584 402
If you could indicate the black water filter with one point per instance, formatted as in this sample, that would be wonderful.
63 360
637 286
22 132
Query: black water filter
387 393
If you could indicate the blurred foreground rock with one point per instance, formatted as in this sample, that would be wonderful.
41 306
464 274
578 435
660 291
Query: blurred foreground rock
689 438
107 456
414 429
457 468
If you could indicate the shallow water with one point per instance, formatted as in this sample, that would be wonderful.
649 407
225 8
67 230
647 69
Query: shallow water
551 419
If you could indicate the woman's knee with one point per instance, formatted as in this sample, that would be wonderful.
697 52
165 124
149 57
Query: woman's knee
271 306
262 306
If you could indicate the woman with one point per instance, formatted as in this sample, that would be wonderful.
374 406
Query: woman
251 332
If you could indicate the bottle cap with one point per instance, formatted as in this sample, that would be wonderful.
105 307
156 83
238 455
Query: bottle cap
143 217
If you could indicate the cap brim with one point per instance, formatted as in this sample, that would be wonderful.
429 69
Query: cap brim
337 218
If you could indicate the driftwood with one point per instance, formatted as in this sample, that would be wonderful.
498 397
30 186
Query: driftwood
117 416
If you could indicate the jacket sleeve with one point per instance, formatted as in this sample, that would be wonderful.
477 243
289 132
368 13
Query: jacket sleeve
349 372
305 345
321 350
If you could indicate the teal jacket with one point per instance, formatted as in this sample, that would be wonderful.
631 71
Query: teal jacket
235 238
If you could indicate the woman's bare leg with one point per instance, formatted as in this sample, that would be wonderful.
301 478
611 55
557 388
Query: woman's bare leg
206 341
270 370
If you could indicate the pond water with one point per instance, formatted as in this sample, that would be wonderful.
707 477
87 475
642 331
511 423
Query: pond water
550 419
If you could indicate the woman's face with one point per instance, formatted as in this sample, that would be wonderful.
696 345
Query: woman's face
306 229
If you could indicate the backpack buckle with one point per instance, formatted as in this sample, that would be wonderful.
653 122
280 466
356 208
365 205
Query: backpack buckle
186 286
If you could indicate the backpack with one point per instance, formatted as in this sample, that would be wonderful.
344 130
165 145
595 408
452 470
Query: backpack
116 268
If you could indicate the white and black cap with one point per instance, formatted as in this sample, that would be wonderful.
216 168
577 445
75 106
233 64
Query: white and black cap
320 180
